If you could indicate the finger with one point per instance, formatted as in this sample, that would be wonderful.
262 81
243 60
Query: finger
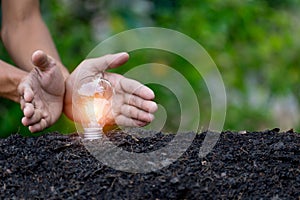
38 126
26 92
37 116
106 62
146 105
28 110
135 113
134 87
122 120
42 60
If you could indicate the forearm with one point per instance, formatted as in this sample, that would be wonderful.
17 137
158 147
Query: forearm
24 34
21 49
10 77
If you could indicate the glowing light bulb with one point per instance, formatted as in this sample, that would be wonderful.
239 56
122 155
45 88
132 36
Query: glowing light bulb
93 105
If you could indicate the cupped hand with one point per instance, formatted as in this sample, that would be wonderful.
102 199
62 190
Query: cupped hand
132 103
42 93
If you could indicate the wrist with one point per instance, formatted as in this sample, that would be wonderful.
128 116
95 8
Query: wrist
10 79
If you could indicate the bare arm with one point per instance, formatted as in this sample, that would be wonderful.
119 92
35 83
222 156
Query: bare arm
23 32
10 78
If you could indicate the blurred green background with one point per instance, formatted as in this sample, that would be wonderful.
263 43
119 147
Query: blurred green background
254 43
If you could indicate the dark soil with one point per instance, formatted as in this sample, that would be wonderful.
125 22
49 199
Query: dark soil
241 166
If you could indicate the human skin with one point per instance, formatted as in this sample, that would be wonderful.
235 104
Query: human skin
23 32
39 82
42 93
133 103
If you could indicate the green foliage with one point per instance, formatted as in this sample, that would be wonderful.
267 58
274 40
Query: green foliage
255 44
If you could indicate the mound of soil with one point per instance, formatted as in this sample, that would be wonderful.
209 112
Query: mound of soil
249 165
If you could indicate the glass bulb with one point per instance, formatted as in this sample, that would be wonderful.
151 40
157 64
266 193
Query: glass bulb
92 105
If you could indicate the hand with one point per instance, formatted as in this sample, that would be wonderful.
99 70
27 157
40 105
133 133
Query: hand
132 102
42 92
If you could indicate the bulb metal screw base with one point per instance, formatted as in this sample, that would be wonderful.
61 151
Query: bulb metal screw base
92 133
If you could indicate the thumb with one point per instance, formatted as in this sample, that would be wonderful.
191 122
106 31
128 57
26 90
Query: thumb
41 60
116 60
108 61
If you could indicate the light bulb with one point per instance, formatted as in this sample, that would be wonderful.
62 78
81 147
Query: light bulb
92 104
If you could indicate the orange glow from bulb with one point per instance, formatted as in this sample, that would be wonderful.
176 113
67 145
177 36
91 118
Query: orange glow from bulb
94 102
101 107
96 109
